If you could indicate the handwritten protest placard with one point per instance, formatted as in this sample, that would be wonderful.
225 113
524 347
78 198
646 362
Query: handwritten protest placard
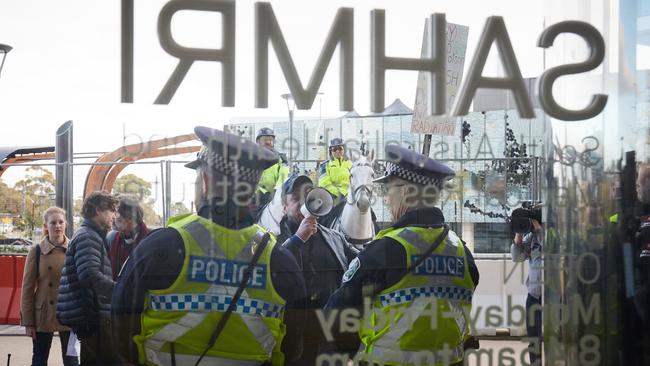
456 42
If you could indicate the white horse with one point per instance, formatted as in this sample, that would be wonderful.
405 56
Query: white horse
355 220
273 212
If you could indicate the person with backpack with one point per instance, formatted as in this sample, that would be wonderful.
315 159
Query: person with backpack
41 287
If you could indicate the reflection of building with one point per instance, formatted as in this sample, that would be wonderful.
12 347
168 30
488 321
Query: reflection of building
6 224
588 193
489 185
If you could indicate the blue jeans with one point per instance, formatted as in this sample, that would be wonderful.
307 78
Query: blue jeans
534 327
41 349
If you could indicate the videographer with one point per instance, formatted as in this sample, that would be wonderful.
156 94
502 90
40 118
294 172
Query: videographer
527 245
641 298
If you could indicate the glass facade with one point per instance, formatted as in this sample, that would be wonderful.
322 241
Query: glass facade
587 271
583 172
498 163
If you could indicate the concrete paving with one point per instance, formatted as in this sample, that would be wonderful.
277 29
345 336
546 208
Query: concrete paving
492 353
20 348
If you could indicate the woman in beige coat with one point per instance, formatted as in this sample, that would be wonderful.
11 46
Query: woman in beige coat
41 288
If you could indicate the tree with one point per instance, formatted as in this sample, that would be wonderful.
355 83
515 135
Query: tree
11 202
133 185
76 209
178 208
36 189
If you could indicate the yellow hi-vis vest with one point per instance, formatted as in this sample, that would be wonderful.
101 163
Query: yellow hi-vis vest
427 311
273 177
336 177
185 315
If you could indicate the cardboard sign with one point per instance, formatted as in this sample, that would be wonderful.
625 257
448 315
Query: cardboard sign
423 122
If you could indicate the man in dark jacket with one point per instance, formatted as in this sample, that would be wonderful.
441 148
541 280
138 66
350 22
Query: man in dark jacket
322 254
130 229
84 301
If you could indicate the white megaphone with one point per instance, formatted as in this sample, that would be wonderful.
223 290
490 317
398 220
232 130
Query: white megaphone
318 203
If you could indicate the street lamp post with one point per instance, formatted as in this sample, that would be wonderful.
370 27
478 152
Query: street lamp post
291 106
40 198
33 219
4 50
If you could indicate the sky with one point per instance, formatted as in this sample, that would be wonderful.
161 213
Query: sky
65 65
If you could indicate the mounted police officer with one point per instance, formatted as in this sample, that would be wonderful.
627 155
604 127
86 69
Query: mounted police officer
335 173
276 174
212 286
416 279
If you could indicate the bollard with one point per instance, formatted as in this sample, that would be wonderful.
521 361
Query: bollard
8 359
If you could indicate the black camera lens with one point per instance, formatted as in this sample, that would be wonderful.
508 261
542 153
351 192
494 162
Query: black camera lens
521 225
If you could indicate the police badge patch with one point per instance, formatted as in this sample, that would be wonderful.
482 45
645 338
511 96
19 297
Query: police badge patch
352 269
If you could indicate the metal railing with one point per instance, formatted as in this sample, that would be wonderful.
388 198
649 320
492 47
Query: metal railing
465 206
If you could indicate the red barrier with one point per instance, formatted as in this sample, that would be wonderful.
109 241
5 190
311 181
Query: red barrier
14 311
7 283
11 282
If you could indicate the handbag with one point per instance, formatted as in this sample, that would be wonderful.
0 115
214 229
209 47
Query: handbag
74 346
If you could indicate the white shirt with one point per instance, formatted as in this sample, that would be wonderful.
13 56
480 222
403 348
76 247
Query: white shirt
531 249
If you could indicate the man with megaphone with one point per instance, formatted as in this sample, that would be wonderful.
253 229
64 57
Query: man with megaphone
322 253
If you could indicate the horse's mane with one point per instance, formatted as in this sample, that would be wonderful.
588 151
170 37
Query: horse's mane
362 160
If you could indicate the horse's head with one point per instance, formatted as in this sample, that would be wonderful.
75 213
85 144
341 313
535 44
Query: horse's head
361 175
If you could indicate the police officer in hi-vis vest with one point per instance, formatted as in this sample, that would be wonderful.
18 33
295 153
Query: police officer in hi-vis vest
335 173
414 282
212 286
275 175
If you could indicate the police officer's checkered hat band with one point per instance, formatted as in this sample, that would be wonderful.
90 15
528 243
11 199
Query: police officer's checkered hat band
395 170
232 168
236 158
414 167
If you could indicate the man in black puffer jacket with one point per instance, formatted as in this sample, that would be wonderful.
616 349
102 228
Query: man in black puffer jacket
87 282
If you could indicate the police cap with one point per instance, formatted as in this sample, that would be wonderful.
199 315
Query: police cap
413 167
237 158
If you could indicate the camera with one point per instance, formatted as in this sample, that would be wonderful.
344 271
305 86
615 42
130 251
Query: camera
642 239
520 220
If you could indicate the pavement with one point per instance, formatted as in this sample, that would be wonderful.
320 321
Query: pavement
20 348
492 352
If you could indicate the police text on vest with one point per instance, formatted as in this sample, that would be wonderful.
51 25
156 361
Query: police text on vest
440 265
225 272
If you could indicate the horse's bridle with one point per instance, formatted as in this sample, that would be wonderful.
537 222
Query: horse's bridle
363 186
